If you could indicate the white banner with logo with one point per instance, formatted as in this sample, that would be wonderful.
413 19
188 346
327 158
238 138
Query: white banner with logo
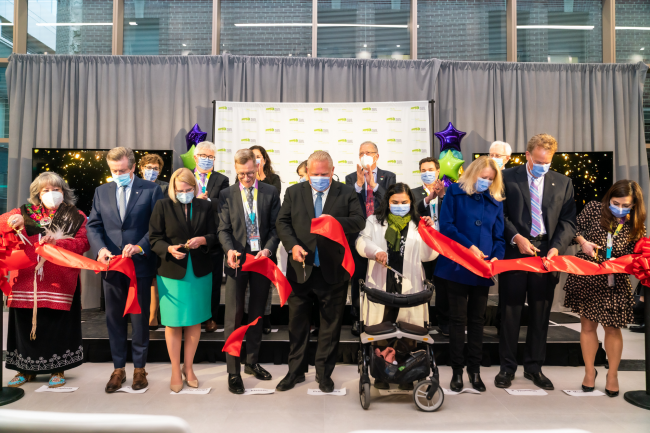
291 132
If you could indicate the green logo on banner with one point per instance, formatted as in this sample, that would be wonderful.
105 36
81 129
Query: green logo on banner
416 171
415 129
390 118
223 108
293 161
269 130
221 171
294 119
294 140
222 150
415 108
245 139
417 150
390 139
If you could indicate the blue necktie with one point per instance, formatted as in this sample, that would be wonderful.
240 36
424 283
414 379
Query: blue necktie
318 211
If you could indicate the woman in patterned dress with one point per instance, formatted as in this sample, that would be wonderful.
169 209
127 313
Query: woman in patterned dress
606 299
49 217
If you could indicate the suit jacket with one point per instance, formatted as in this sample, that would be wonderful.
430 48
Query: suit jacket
168 226
419 194
106 229
558 209
294 225
232 220
274 180
475 219
384 180
164 186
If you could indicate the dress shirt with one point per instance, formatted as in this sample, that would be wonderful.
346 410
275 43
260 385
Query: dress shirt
365 186
434 208
127 191
315 196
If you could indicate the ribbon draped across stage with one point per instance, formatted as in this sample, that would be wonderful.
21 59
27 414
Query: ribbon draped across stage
270 270
637 264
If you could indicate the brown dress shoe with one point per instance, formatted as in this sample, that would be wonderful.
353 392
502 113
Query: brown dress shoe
210 326
115 382
139 379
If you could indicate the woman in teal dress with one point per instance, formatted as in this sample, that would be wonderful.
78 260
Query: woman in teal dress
182 231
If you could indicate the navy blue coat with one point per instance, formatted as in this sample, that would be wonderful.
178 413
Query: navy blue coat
105 229
475 219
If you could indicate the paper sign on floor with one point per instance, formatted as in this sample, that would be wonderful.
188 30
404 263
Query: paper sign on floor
337 392
46 388
195 391
581 393
274 330
526 392
462 391
258 391
130 390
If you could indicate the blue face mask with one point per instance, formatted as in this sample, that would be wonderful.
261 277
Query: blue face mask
619 212
428 177
205 164
302 179
185 197
151 175
400 209
319 183
122 179
540 170
482 184
499 162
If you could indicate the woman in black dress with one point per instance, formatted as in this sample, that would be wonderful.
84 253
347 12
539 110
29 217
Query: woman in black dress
606 299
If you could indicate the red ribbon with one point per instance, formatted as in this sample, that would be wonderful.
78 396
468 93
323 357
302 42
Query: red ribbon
637 264
232 346
328 226
270 270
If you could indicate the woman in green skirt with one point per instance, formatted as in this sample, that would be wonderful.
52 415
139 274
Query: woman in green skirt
182 230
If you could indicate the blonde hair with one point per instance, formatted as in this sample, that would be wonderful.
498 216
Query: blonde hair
117 153
468 180
545 141
182 175
320 155
52 179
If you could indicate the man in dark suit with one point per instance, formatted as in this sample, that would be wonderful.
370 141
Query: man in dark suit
211 183
540 218
428 201
370 184
119 225
314 267
247 214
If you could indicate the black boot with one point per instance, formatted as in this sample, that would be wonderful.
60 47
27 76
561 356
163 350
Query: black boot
456 383
475 380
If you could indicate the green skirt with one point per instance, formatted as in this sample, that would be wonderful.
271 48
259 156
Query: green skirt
185 302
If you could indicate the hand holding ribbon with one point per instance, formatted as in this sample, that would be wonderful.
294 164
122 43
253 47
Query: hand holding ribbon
329 227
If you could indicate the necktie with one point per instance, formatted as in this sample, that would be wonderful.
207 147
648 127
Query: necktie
370 200
536 209
203 176
318 211
251 227
122 203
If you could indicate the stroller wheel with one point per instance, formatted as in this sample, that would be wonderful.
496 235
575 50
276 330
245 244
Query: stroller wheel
364 394
420 397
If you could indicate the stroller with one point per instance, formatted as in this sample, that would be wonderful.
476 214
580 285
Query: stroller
419 365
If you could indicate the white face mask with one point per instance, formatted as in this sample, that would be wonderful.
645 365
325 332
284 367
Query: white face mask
52 199
366 161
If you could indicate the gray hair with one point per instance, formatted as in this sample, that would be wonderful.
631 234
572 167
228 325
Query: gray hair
49 178
208 145
320 155
117 153
505 145
242 156
370 143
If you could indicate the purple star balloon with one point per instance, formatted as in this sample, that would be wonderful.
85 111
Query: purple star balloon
195 136
446 181
450 138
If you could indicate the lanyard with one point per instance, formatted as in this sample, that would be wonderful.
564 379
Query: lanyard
202 185
249 212
610 240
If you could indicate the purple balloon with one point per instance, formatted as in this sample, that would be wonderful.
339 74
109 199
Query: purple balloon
446 181
450 138
195 136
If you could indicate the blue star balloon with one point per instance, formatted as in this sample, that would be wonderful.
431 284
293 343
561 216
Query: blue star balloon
195 136
450 138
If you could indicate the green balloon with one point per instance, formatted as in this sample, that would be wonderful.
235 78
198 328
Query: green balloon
188 159
449 166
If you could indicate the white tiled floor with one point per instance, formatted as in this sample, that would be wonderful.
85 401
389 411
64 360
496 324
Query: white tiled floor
296 412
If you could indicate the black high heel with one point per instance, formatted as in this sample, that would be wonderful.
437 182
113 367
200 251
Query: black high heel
611 393
590 388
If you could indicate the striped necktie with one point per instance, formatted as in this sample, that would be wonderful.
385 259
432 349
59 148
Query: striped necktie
536 208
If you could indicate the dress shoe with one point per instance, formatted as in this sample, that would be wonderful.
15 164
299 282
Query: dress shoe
235 384
477 383
257 371
540 380
640 328
289 381
381 385
590 388
406 386
503 379
356 328
444 330
176 388
326 385
139 379
115 382
456 383
266 327
210 326
610 393
190 383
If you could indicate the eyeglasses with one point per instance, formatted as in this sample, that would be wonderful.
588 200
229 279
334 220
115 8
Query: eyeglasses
367 153
151 167
496 155
247 174
210 157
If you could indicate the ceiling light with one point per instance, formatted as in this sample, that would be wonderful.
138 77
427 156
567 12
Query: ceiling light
633 28
72 24
365 45
274 25
6 24
184 45
642 48
397 46
551 27
133 23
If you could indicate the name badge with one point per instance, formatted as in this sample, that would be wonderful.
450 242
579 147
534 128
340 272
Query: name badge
255 244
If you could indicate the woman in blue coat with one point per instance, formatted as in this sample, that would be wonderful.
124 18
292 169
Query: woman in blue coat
472 215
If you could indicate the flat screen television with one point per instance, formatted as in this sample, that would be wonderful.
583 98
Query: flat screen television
85 170
592 173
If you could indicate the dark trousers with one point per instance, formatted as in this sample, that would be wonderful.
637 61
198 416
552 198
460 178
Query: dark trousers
235 298
467 306
514 288
331 304
360 270
116 288
217 277
442 302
